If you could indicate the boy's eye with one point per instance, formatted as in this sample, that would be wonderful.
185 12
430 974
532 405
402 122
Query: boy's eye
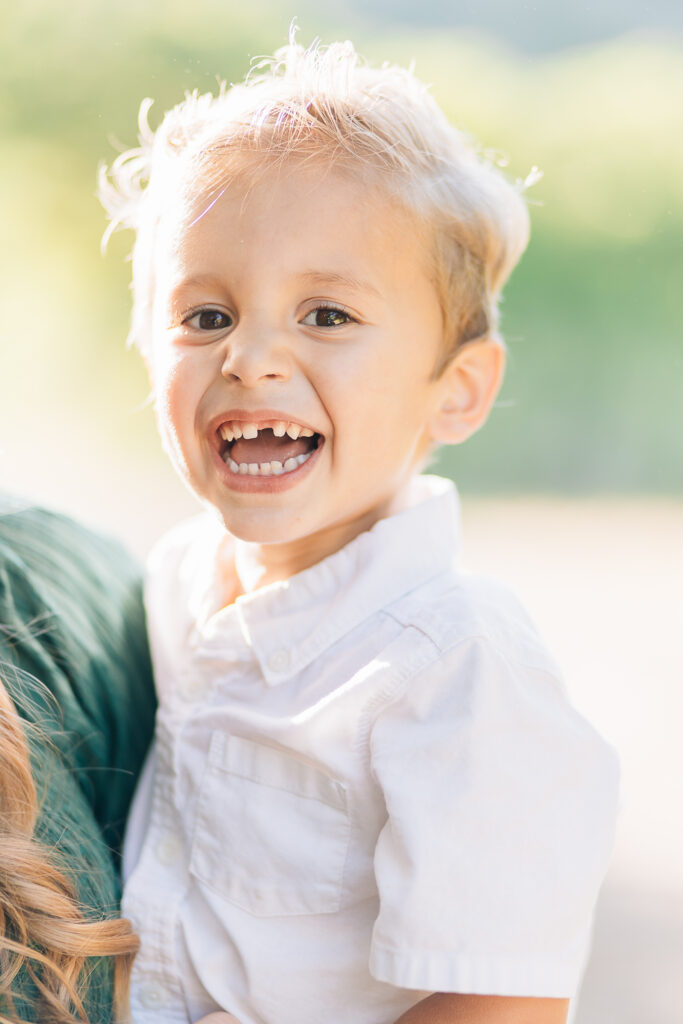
327 316
209 320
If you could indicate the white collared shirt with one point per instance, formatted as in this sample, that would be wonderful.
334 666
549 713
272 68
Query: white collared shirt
367 785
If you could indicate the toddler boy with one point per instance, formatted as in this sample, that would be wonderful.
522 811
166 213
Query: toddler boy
369 798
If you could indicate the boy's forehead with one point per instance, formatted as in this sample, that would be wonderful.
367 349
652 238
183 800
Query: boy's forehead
272 194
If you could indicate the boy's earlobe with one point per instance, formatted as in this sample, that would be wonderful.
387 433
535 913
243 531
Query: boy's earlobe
468 388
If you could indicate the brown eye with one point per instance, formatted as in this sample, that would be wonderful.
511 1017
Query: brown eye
210 320
327 316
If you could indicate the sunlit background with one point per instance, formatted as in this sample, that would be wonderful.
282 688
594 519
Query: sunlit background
574 490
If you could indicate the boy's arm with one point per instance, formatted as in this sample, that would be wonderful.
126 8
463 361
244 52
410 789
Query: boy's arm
448 1008
452 1008
219 1017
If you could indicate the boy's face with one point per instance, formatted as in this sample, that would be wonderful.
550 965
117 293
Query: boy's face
303 305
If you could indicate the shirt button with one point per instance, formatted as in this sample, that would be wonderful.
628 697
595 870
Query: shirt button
193 687
279 661
169 849
153 996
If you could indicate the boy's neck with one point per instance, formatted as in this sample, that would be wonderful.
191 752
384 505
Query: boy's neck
258 565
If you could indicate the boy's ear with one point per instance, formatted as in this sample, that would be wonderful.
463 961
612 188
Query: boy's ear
467 389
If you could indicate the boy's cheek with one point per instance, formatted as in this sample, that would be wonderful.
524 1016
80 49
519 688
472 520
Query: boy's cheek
170 440
172 409
173 384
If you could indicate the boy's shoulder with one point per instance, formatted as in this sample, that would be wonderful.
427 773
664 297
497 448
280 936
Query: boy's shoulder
488 673
460 606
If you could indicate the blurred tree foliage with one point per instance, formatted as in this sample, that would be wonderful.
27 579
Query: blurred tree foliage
592 401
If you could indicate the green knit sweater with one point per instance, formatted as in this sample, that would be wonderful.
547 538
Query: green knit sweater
74 659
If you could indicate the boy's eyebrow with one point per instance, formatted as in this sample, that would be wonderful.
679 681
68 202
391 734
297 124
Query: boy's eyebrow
313 277
332 277
197 281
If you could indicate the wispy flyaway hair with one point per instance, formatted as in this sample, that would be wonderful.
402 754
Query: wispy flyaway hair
377 126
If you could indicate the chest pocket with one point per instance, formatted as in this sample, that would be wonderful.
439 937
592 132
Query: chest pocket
272 832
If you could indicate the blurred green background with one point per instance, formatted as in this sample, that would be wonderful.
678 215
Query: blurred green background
592 403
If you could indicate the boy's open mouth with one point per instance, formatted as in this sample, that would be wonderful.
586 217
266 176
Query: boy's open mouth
266 449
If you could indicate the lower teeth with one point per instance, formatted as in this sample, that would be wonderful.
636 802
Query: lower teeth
266 468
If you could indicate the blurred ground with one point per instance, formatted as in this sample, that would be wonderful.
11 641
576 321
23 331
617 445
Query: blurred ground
602 578
634 976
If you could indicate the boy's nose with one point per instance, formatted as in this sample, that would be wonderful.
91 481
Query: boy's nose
255 356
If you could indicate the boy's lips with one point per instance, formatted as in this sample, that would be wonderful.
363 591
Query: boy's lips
264 450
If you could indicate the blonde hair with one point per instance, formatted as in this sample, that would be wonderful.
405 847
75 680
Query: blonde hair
44 936
324 104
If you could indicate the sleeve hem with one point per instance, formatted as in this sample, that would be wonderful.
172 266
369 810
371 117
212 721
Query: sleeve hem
531 976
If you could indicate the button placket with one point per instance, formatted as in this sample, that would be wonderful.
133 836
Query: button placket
279 661
193 685
152 996
154 890
169 848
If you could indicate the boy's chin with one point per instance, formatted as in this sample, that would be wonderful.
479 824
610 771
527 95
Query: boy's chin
255 528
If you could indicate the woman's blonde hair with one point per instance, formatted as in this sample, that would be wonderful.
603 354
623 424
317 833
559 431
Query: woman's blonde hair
45 938
324 105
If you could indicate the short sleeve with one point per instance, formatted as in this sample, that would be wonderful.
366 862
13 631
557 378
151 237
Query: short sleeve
501 804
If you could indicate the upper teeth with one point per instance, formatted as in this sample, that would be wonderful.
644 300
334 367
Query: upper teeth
231 431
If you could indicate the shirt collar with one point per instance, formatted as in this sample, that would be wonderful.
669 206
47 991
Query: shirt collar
290 623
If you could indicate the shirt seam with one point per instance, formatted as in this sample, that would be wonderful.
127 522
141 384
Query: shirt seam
491 643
